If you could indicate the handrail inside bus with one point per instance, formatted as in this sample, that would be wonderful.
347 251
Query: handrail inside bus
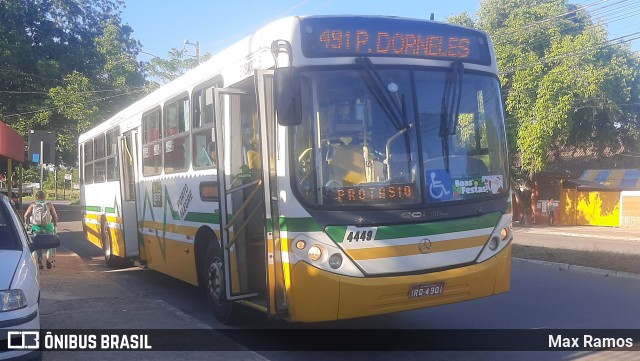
126 148
207 154
244 205
236 234
387 161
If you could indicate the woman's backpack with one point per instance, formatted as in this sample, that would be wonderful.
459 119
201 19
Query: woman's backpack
41 214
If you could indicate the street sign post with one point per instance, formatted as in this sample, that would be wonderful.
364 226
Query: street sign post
42 149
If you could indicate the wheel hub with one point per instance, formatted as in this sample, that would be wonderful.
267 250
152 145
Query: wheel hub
215 280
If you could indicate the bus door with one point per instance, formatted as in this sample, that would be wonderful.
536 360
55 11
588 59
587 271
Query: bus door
128 169
242 204
266 105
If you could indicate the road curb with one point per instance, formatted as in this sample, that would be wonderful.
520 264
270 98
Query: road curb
610 236
569 267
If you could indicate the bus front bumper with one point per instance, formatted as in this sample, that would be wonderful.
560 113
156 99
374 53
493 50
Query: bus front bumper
316 295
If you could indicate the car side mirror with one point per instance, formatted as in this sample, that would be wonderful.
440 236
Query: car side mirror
287 96
44 241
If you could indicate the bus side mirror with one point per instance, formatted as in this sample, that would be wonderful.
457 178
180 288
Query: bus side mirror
287 96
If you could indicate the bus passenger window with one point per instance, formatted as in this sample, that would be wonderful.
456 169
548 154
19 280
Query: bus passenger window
151 148
176 155
203 107
88 162
113 170
177 141
204 149
100 170
151 126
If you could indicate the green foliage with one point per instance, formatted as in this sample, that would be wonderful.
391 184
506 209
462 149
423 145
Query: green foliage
178 63
564 85
65 65
463 19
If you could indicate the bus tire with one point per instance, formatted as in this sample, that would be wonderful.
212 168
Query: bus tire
110 259
205 237
223 309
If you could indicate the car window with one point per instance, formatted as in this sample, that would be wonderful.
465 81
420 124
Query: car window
8 234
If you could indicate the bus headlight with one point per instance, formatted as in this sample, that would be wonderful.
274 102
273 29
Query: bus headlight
321 252
315 253
499 239
504 233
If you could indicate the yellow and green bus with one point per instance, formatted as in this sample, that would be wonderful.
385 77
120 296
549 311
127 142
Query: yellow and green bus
323 168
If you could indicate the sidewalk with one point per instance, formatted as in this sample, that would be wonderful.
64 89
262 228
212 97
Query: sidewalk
612 233
602 242
584 238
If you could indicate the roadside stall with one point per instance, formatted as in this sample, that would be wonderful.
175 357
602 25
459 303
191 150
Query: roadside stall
11 152
597 197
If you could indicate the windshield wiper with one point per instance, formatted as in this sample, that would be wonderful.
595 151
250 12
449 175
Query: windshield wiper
450 107
376 87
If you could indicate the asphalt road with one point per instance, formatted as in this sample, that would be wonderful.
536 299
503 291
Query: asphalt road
82 293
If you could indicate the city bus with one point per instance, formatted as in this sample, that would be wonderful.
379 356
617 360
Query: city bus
323 168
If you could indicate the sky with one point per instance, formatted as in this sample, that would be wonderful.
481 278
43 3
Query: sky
216 24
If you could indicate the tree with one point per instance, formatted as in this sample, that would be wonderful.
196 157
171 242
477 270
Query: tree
178 63
463 19
64 66
564 84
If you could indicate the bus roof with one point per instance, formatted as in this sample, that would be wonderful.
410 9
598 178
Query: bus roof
253 52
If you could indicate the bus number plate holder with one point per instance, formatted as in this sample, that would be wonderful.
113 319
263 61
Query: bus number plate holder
426 290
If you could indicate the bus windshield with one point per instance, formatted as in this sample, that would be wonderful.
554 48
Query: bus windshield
373 137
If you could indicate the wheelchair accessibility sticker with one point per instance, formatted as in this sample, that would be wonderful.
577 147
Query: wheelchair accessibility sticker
439 185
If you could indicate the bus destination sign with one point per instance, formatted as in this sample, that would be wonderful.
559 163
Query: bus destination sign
330 37
372 194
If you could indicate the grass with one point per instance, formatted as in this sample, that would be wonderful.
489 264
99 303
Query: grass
68 195
623 262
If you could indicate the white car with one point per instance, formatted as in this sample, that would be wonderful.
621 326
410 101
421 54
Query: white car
19 285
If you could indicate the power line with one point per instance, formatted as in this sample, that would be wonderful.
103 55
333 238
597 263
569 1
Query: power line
84 92
545 60
19 92
599 17
506 31
595 16
629 11
72 104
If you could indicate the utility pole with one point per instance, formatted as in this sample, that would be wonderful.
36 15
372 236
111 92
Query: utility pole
41 164
197 46
41 143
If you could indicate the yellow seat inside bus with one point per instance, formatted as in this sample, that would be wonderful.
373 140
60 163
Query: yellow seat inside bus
347 165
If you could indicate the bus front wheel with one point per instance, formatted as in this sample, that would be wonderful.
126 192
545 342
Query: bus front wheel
223 309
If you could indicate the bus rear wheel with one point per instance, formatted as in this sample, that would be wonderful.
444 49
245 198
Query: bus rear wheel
107 248
215 286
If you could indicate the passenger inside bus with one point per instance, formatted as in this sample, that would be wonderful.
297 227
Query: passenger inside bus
347 144
212 153
153 135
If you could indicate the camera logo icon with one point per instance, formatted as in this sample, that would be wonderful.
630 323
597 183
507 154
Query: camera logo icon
23 340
